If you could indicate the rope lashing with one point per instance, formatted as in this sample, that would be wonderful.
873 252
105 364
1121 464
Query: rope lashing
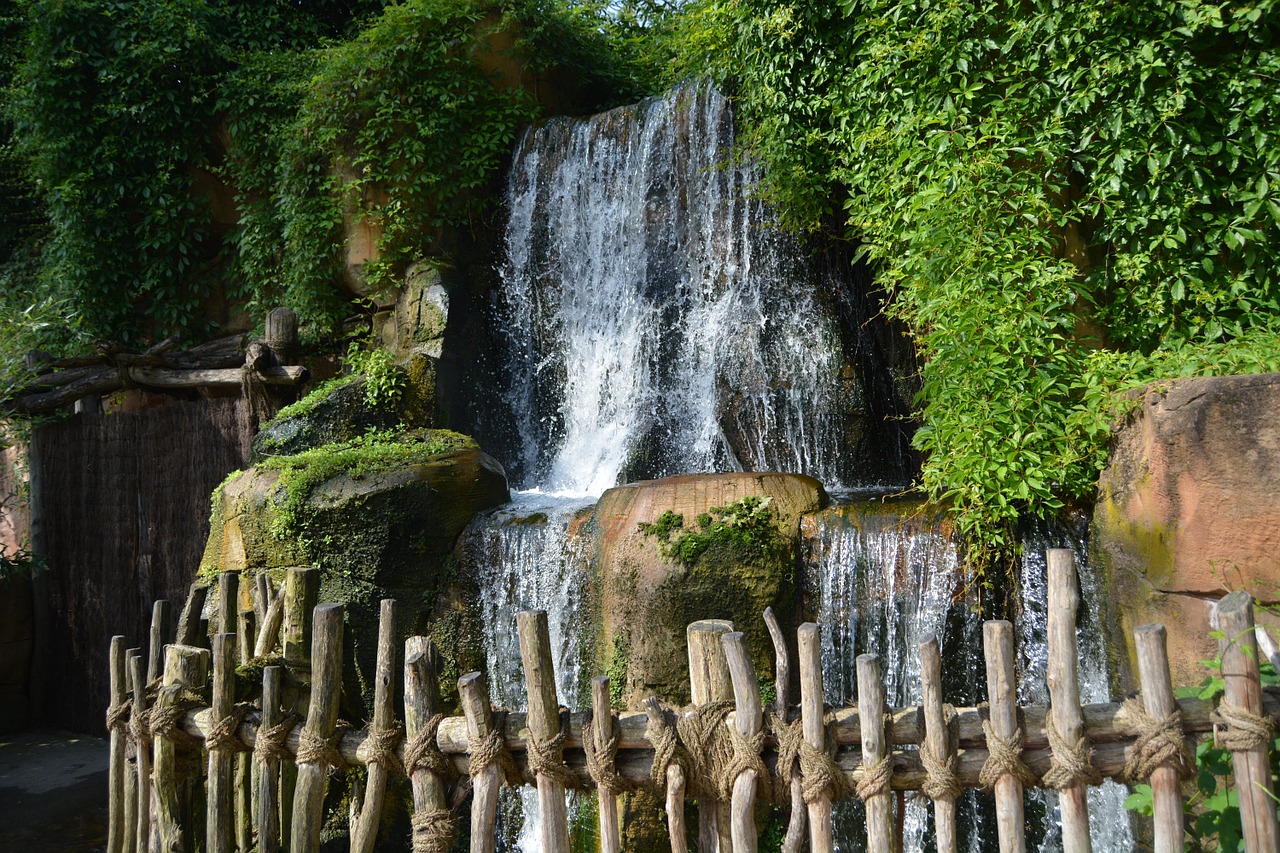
118 717
706 737
820 775
381 745
747 755
432 831
1157 742
222 736
875 779
423 753
942 776
140 729
172 704
316 749
546 757
1004 758
492 749
602 757
1245 730
1072 760
667 749
269 744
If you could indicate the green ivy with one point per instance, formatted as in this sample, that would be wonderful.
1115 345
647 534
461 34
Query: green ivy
1059 201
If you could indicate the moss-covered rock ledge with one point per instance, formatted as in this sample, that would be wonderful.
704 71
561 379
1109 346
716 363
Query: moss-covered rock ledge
378 515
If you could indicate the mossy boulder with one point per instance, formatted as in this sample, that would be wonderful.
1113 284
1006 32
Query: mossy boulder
336 411
379 516
732 554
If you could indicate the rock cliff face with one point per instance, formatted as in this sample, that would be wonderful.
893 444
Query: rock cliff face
1187 510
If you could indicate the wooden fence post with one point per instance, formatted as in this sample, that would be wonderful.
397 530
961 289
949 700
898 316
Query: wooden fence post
997 636
228 602
675 784
188 631
937 743
748 719
269 630
220 826
602 731
301 594
246 622
262 596
1065 716
795 836
269 764
316 752
161 633
710 681
875 750
131 805
544 724
116 732
1158 698
432 822
382 734
487 782
1241 708
185 668
809 639
142 740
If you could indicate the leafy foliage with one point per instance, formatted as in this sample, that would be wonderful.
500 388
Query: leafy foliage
1060 202
749 524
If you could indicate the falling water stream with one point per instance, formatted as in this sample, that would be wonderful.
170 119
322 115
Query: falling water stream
651 321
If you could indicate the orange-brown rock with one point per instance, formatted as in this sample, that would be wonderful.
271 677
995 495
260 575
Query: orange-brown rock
1187 510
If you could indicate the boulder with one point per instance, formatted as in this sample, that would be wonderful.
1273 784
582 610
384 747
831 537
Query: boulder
648 597
333 412
379 518
1187 511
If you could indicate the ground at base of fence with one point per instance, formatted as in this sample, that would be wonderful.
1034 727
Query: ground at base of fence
52 793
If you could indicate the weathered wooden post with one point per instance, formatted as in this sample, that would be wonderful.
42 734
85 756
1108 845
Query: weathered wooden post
142 740
188 632
266 753
809 639
269 632
675 781
545 735
710 681
281 334
301 593
748 720
603 733
1158 699
262 596
220 826
877 762
937 751
117 721
1250 734
384 735
246 621
316 751
131 761
1065 724
794 839
486 779
161 629
1004 737
433 828
228 603
185 668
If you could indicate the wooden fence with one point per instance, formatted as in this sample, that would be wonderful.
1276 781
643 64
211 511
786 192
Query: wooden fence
191 769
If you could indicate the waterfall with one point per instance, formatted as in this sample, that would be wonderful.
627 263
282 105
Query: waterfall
652 318
883 576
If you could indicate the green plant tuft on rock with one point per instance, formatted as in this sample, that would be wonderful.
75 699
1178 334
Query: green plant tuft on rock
749 525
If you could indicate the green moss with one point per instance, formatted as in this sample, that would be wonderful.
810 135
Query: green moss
619 664
749 524
307 405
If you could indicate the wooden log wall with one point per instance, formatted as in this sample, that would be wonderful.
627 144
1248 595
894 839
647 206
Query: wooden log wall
723 752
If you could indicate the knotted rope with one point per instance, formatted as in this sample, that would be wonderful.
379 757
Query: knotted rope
222 736
546 757
381 746
432 831
875 779
602 757
706 737
942 777
820 776
140 729
661 732
1004 758
172 705
316 749
118 717
269 744
423 753
1072 761
747 755
492 749
1157 742
1245 730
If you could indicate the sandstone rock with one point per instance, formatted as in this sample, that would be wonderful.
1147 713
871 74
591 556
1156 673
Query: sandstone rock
648 599
1187 510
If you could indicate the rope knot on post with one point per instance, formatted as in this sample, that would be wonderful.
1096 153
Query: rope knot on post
382 744
432 831
820 775
706 737
423 752
875 779
140 729
1157 742
492 749
269 743
602 756
1072 761
118 717
546 757
222 737
316 749
747 755
942 776
1004 758
662 733
1244 730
